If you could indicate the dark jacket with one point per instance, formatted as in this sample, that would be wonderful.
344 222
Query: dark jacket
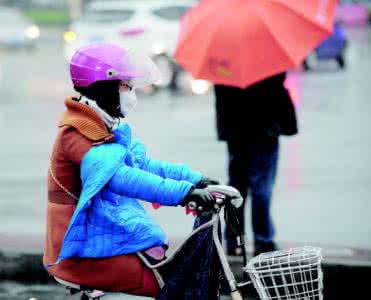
261 110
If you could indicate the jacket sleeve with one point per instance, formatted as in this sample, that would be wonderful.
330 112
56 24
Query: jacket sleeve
137 183
169 170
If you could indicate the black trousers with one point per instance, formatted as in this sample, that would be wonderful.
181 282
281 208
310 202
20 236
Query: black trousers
252 170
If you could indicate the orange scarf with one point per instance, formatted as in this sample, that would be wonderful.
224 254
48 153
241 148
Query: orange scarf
85 120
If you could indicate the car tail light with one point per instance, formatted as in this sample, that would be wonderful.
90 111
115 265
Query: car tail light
132 31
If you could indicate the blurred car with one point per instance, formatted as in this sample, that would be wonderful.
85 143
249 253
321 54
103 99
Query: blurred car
16 30
332 48
151 26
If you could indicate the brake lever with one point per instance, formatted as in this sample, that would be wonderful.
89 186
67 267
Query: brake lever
227 192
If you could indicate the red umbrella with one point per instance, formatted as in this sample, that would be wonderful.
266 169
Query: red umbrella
239 42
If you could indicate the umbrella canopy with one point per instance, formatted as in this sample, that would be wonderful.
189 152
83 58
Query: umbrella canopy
239 42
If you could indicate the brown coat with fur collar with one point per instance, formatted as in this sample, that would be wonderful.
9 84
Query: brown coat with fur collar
80 129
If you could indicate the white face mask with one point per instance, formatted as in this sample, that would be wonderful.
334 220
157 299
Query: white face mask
128 101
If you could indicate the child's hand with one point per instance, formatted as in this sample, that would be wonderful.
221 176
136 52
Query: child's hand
200 197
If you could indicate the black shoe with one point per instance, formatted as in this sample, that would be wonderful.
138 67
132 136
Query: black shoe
266 247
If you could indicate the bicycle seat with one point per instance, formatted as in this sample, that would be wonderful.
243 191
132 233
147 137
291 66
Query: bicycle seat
86 292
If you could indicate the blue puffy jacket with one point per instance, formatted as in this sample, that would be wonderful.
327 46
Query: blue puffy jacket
109 220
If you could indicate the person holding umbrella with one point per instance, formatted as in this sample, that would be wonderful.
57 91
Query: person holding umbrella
245 48
250 121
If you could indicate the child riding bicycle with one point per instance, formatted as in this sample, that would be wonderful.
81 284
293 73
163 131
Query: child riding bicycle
95 224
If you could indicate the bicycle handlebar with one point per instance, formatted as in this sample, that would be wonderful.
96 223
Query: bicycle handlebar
223 195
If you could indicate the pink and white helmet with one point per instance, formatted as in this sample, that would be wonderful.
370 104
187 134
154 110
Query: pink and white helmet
104 61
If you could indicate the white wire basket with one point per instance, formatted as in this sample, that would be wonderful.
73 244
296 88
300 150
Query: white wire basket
294 274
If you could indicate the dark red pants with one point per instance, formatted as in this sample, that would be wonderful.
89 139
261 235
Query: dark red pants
150 287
